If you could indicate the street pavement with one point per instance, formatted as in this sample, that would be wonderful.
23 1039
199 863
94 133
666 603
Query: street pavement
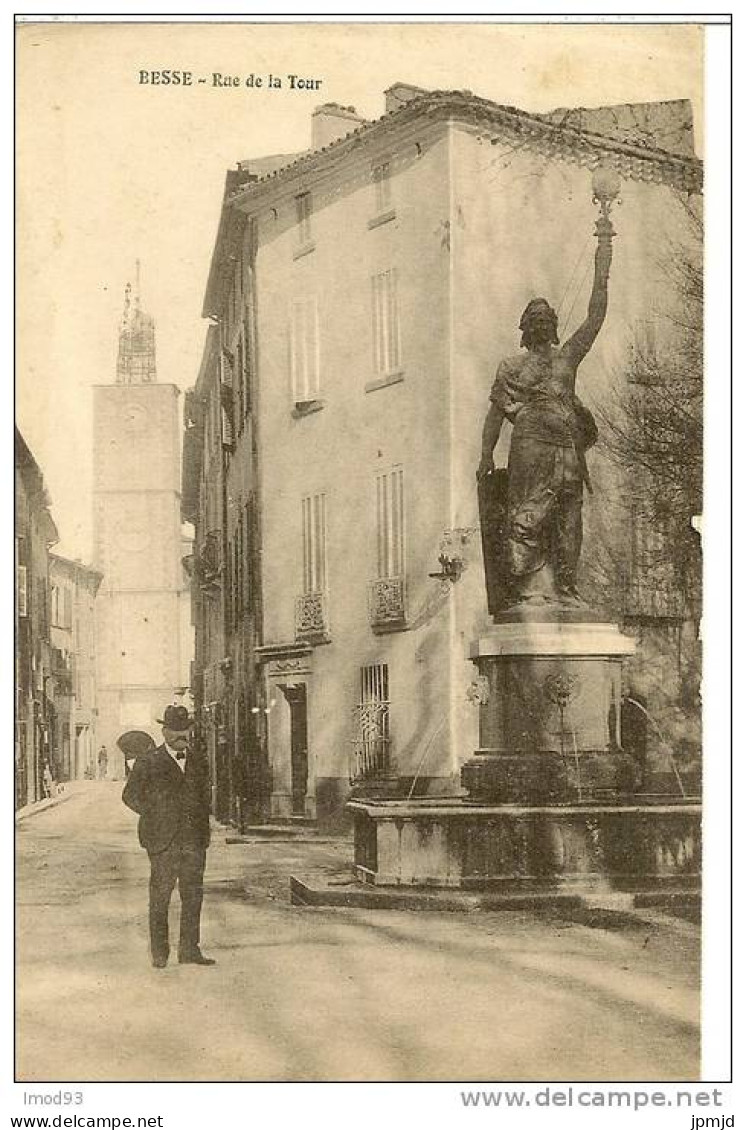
325 994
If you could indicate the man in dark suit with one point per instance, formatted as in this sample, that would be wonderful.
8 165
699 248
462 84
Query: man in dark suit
168 788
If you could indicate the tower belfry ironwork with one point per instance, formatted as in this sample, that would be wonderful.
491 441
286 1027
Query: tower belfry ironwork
136 356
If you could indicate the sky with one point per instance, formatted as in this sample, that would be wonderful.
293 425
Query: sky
109 170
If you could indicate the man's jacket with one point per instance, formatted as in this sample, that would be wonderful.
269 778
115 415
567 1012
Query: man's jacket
169 802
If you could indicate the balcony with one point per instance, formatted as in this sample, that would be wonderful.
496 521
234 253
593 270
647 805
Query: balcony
207 564
387 609
311 618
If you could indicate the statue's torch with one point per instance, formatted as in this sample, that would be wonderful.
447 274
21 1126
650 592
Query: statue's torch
606 184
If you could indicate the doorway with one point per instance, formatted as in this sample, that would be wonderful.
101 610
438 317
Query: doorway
295 694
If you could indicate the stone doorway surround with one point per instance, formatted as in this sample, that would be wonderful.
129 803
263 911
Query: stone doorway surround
287 671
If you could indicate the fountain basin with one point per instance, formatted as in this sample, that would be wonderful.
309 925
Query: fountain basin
454 842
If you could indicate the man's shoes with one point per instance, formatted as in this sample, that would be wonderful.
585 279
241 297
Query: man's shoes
196 957
160 960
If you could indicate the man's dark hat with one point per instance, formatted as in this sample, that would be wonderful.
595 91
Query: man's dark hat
135 742
176 718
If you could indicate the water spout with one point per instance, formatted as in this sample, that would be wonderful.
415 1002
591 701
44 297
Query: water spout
430 741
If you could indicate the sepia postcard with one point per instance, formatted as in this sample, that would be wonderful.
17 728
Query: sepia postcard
359 523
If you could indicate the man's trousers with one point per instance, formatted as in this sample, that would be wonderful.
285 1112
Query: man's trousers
183 863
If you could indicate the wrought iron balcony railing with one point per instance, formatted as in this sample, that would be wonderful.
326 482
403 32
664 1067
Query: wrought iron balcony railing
311 618
370 756
207 565
370 760
387 606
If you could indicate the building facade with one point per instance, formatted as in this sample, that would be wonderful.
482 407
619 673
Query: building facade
361 296
220 497
144 643
35 715
73 589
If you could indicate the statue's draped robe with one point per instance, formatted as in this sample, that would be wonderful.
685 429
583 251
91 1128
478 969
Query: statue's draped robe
546 467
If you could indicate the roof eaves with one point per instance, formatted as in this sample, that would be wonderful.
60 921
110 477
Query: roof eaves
228 225
78 566
510 117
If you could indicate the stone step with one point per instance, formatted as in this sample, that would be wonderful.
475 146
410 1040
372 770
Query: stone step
343 890
268 831
287 834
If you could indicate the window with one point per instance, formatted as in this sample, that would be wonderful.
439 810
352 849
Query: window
372 736
237 291
390 522
244 361
382 187
386 345
314 543
303 210
248 359
240 385
304 350
61 606
42 604
227 429
374 688
22 590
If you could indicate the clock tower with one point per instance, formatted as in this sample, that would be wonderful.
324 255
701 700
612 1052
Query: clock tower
143 636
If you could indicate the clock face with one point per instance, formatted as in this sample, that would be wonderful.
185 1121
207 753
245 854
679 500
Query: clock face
135 417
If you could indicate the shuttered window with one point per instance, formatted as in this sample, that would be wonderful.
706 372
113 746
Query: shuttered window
303 212
385 314
304 350
382 186
227 429
390 522
22 590
240 389
314 543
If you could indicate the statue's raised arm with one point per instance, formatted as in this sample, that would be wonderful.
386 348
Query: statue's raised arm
581 341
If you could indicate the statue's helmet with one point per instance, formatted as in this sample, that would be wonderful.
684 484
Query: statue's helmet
537 309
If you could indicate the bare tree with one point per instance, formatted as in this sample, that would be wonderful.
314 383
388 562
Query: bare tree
652 428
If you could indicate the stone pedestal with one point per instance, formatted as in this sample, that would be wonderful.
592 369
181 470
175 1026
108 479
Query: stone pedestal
550 714
551 810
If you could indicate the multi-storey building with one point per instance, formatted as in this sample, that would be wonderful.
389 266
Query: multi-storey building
361 295
144 643
73 637
35 534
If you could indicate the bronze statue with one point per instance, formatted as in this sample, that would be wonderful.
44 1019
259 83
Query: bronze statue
532 518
